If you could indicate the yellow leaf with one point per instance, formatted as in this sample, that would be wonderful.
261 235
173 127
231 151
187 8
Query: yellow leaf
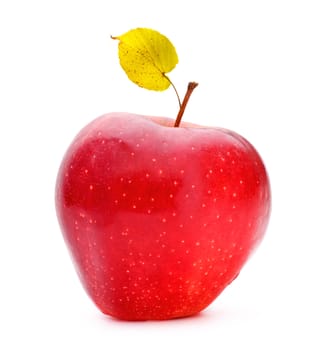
146 56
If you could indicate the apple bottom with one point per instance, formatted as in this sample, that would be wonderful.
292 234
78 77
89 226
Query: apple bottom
159 220
162 285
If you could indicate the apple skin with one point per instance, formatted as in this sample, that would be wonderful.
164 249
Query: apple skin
159 220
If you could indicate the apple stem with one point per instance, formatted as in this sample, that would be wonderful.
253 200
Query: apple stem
191 86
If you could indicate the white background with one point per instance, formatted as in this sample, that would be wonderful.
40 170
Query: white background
265 69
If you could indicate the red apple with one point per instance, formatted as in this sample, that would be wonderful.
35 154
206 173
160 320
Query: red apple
159 219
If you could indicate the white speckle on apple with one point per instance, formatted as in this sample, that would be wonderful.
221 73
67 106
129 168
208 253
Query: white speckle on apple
134 206
224 188
164 220
230 220
218 216
173 214
181 225
203 205
197 244
124 194
234 194
171 195
160 171
91 187
191 217
154 160
186 195
132 154
152 199
149 211
182 171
